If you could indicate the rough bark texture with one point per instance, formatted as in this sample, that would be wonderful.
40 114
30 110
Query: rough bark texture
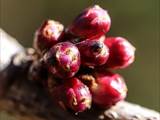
27 100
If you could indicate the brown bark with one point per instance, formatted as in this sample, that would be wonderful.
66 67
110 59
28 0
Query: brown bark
27 100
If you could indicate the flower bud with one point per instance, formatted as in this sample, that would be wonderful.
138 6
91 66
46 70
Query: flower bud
109 90
122 53
92 22
63 60
93 52
73 94
47 35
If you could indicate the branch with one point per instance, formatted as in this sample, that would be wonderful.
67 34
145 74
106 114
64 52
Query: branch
28 100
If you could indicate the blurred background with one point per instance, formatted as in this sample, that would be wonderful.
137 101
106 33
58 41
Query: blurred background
137 20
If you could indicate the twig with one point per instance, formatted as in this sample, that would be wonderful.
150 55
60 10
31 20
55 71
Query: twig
28 100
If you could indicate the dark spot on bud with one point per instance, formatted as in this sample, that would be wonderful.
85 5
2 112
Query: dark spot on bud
97 47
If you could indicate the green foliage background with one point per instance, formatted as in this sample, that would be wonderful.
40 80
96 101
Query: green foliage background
137 20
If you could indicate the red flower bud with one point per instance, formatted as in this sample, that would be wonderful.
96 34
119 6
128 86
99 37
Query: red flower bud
122 53
109 90
63 60
78 95
72 94
93 52
47 35
92 22
106 88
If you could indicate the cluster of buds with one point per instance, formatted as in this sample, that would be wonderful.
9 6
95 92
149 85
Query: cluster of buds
75 63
